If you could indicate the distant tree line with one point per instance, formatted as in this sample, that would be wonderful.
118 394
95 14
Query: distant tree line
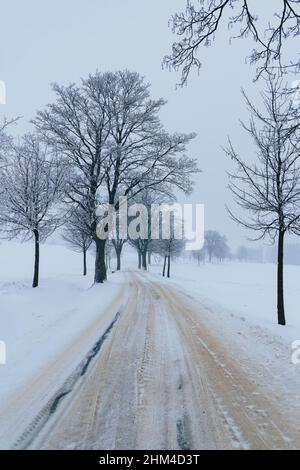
268 254
215 248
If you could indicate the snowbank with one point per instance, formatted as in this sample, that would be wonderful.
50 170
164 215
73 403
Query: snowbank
245 290
40 325
237 301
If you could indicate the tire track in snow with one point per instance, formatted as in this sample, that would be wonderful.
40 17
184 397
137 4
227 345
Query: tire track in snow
164 380
33 429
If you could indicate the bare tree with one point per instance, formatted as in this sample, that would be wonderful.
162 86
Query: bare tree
170 248
142 155
78 124
118 244
269 189
215 245
171 244
6 140
108 253
118 241
222 250
161 194
140 244
110 130
77 234
33 184
198 25
199 255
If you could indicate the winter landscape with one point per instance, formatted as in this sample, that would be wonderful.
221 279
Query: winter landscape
149 224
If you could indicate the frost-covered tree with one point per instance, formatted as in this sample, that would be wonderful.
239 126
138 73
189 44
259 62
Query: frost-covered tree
110 131
168 249
118 245
199 24
143 156
148 198
118 241
171 243
140 244
222 250
108 253
6 140
32 182
78 125
199 255
214 244
267 187
77 234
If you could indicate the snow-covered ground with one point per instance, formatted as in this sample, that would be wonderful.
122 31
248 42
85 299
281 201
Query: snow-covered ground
238 303
66 315
246 291
165 380
37 325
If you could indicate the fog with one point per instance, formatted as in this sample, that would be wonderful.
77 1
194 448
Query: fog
63 41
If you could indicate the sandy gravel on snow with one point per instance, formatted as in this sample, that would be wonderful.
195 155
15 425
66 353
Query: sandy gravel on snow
163 380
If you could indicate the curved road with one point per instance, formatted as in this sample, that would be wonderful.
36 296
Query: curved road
162 380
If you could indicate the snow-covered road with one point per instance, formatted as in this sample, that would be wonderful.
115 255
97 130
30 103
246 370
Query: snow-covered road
162 379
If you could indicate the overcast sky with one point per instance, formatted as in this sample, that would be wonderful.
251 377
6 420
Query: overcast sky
61 41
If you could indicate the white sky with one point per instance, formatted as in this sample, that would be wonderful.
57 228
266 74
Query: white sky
42 42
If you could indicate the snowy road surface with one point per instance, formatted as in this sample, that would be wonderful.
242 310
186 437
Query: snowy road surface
161 379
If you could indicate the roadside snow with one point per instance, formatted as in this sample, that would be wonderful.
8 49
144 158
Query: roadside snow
48 330
37 325
238 302
244 290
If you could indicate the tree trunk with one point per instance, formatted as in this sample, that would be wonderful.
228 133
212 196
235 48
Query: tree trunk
280 295
164 268
35 282
84 262
144 260
140 259
169 265
149 257
100 266
118 246
118 253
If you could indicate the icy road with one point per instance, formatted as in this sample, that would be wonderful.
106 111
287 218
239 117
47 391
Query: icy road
159 378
